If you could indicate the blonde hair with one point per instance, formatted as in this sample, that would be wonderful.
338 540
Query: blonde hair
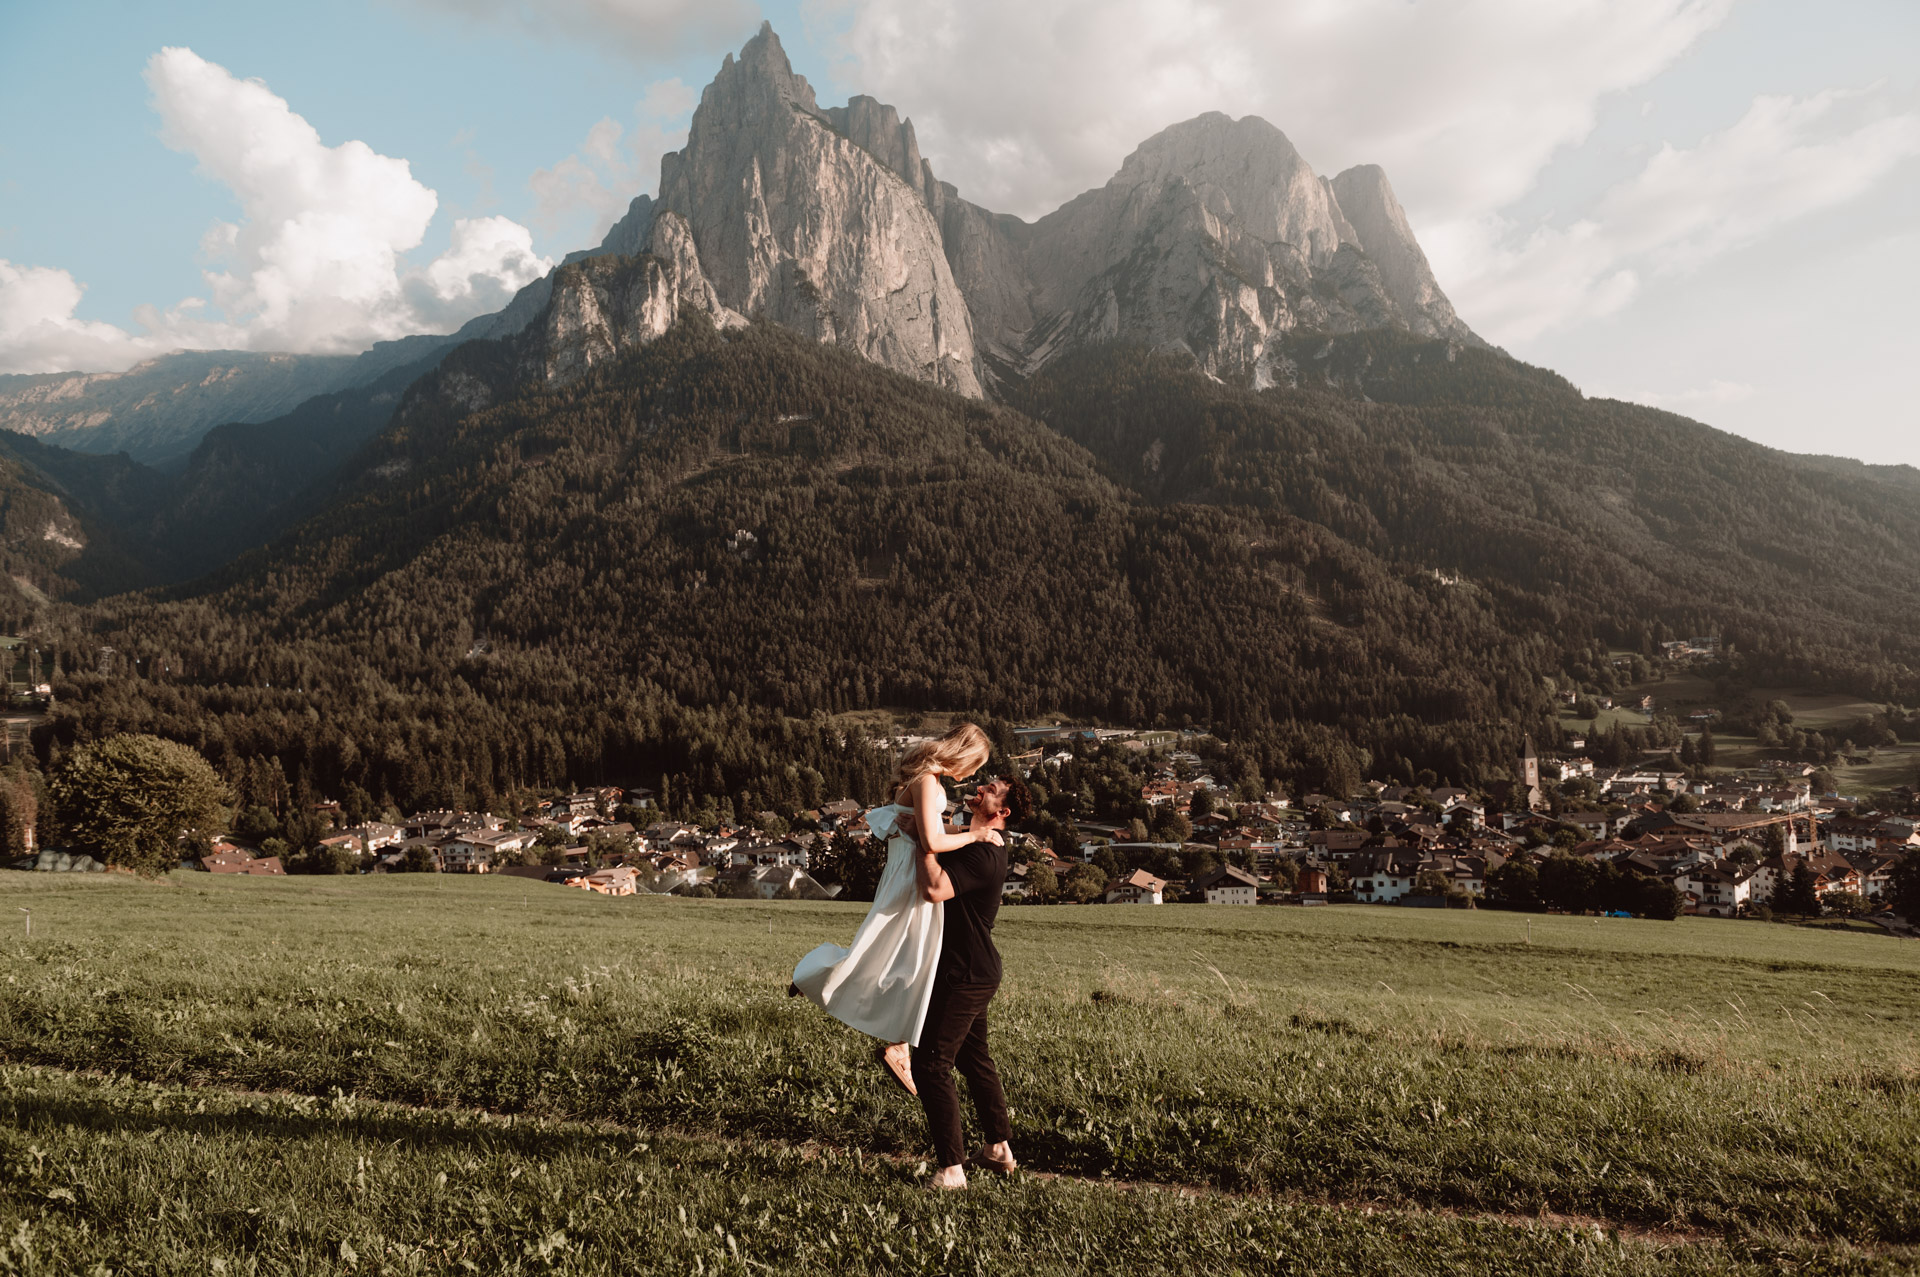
961 752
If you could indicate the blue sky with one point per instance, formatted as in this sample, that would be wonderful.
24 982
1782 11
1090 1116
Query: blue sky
1703 204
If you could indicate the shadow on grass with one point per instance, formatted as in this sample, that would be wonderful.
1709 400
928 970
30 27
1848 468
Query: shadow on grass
275 1119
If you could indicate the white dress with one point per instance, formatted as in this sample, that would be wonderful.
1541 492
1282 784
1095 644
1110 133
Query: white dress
881 983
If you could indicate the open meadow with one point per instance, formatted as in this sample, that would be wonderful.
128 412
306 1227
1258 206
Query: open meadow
424 1073
1681 692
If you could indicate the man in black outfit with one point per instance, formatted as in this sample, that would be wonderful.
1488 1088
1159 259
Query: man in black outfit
955 1033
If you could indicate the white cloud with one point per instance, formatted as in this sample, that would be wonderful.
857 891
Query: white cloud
643 30
317 262
38 331
1023 105
1784 159
582 195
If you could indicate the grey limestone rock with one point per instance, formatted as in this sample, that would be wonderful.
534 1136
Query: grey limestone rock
795 221
1380 226
609 303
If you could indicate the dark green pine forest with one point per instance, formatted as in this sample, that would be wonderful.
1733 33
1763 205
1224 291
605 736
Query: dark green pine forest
686 563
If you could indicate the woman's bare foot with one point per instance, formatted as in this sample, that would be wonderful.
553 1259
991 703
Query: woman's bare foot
899 1061
996 1157
949 1177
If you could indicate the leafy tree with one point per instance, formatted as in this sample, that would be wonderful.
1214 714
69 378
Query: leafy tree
1795 892
1201 804
603 847
1567 883
256 823
854 863
1083 884
1660 900
1903 888
1429 882
416 860
1201 860
1137 830
1043 885
322 859
1846 904
1514 885
128 799
1170 826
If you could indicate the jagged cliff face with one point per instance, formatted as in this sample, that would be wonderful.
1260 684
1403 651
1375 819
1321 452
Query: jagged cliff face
1215 237
1381 227
794 220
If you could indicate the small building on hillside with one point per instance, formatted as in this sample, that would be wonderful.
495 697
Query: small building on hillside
1137 888
1227 885
228 859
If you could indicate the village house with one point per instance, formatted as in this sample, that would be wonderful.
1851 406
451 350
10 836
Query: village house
1831 872
375 835
608 882
664 833
1721 889
229 859
585 803
837 813
1381 877
1018 884
771 880
1137 888
1876 872
482 853
1227 885
1337 844
762 853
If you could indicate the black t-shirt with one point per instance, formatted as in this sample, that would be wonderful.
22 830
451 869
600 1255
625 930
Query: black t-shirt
967 955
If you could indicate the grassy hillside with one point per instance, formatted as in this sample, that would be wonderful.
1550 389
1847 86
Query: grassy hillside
1438 1063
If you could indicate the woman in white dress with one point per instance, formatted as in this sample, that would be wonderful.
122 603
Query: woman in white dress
880 983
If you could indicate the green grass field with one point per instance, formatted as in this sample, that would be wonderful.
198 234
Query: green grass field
433 1074
1680 693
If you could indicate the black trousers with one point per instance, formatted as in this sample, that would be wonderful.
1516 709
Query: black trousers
955 1035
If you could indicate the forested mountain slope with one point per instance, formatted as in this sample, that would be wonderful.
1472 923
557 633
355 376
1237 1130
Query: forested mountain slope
1585 519
61 530
1386 559
531 592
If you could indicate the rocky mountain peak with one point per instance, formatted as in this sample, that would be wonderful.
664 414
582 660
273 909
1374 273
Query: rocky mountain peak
1257 175
762 71
1380 225
812 219
1215 237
